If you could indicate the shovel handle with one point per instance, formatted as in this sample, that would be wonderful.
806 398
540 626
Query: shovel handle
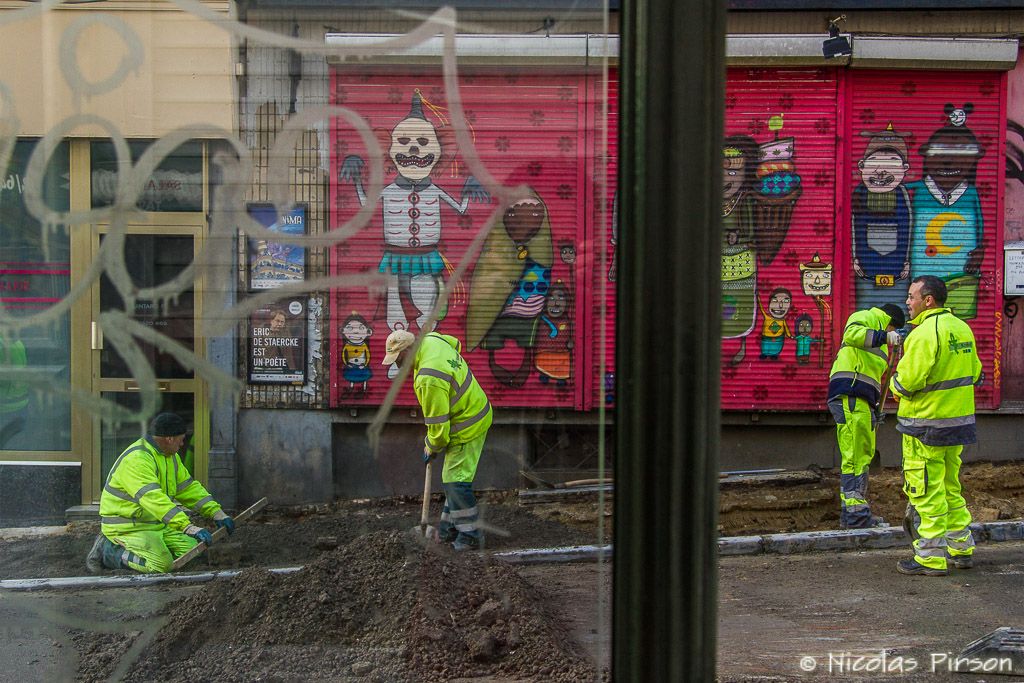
425 511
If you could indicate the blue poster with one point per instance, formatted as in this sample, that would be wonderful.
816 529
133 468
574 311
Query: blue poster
273 264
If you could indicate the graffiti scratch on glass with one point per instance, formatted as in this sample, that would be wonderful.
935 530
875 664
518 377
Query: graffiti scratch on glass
214 263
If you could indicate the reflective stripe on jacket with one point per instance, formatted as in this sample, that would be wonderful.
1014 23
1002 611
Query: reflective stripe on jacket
141 490
862 357
455 407
935 380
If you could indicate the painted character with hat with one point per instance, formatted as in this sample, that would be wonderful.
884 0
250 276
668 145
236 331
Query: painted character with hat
144 525
457 415
881 217
948 239
412 216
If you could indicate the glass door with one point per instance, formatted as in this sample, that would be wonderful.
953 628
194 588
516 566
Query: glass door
153 256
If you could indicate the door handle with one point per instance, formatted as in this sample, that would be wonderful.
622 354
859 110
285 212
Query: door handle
132 385
96 337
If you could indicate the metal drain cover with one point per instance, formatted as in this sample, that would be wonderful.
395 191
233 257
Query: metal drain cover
999 652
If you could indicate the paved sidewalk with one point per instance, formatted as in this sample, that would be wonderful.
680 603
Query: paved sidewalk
777 610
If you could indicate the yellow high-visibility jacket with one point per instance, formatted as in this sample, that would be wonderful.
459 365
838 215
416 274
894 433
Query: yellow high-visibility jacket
455 407
935 380
141 491
862 357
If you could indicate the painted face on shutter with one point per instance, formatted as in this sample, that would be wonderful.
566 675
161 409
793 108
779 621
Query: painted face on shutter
523 220
415 149
882 171
951 157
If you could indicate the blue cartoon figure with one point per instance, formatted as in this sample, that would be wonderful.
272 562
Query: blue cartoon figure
804 327
947 239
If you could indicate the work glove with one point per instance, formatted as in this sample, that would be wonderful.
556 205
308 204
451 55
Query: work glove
428 455
225 522
893 338
199 533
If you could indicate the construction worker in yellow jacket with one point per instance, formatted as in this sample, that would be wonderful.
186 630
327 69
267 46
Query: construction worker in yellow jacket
142 525
457 415
934 383
854 387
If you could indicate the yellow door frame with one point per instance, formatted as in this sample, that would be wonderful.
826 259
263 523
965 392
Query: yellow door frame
85 355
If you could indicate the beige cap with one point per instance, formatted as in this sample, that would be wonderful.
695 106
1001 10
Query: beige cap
397 341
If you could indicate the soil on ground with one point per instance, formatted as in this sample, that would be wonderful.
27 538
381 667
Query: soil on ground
382 607
296 536
374 604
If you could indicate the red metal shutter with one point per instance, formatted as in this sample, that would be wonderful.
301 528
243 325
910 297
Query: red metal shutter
919 114
778 248
528 129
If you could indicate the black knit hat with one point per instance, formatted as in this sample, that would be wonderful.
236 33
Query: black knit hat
896 317
168 424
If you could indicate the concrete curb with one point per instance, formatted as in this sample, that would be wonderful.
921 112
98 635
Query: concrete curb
18 533
573 553
854 539
778 544
125 580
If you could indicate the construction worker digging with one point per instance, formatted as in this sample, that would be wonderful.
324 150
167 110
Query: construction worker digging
854 386
457 415
934 384
142 527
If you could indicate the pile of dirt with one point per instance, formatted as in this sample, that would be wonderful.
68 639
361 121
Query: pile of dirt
99 653
994 491
380 608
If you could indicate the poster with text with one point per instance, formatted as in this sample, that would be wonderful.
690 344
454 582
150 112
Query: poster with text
274 264
277 343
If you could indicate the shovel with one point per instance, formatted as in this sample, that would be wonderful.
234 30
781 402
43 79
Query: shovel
424 530
220 533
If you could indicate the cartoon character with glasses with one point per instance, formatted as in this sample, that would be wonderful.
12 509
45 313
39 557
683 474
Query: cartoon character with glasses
510 286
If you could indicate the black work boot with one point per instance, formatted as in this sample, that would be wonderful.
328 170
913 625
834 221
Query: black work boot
915 568
94 560
961 561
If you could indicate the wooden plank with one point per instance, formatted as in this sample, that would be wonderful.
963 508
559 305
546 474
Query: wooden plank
218 534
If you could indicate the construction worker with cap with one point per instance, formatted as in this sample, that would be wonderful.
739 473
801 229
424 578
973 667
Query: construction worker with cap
934 383
142 526
457 415
854 387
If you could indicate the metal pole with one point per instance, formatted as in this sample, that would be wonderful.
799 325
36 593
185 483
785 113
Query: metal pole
667 347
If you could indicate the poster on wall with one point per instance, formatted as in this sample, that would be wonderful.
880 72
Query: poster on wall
273 264
277 343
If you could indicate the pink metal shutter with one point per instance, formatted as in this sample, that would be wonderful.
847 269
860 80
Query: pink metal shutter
778 241
953 123
528 129
601 253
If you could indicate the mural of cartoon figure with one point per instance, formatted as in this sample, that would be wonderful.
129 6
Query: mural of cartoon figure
554 344
510 285
759 191
804 327
816 280
739 263
412 217
775 328
947 240
778 189
355 353
881 218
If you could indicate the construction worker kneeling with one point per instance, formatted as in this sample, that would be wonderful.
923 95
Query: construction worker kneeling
142 526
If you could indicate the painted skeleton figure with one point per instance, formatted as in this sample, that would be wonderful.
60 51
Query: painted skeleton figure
412 219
